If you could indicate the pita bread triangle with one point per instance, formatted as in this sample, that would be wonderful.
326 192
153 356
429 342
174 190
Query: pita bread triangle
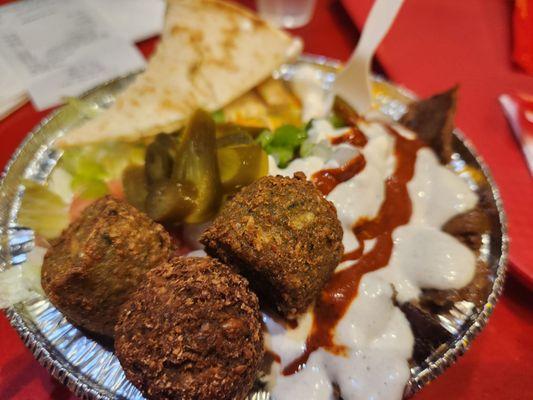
210 53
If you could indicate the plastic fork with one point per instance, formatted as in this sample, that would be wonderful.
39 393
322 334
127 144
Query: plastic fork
353 83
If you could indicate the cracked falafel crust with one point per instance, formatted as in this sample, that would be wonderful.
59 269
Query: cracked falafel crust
101 258
191 332
281 234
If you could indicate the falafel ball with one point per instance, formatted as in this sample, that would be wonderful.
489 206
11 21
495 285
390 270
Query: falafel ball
100 259
281 234
191 331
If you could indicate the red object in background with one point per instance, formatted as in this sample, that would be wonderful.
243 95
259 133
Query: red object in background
519 111
498 366
525 104
523 34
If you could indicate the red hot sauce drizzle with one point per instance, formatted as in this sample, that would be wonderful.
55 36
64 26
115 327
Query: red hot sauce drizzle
354 136
326 179
342 288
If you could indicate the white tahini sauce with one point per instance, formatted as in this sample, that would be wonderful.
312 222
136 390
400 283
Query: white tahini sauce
307 84
375 331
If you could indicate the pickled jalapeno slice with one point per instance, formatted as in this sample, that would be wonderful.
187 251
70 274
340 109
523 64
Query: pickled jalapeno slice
186 175
135 186
229 129
170 201
241 165
196 164
237 138
159 161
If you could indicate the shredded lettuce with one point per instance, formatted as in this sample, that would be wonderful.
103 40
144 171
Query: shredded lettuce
283 144
60 183
336 121
82 171
265 138
307 148
22 282
93 166
320 149
43 210
219 117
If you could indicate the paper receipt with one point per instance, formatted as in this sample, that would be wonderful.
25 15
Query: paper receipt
58 48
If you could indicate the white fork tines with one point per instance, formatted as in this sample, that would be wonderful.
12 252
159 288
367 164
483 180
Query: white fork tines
353 82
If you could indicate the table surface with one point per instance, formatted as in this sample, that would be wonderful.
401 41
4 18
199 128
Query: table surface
496 367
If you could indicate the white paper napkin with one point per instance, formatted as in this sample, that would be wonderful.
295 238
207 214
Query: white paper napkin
86 70
50 49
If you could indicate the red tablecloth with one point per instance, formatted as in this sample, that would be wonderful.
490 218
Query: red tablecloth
497 366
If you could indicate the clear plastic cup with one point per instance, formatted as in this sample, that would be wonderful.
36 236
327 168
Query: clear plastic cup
286 13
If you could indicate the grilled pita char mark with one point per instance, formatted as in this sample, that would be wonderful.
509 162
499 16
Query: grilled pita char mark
210 53
433 121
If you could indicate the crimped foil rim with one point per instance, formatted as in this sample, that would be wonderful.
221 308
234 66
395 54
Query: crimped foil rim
435 366
438 365
31 339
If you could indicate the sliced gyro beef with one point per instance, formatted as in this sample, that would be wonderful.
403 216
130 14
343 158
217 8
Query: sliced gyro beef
468 227
432 120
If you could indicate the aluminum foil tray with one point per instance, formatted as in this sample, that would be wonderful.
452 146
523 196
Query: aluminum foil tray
91 370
